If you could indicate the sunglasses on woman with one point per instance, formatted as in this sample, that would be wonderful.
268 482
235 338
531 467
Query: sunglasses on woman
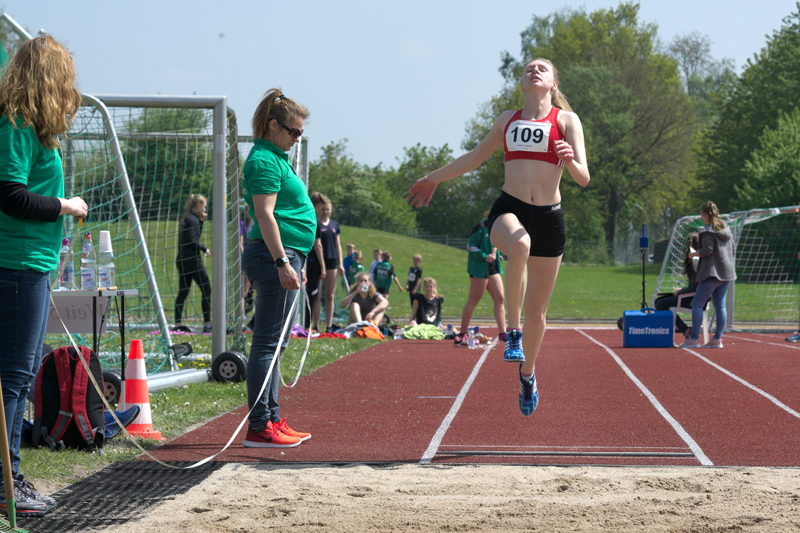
294 132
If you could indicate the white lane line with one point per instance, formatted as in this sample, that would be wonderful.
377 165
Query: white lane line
747 384
682 433
433 447
782 345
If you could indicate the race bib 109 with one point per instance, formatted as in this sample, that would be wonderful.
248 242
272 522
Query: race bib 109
526 136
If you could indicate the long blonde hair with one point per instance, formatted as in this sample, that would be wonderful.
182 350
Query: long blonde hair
191 202
38 85
372 291
275 105
711 210
435 286
557 98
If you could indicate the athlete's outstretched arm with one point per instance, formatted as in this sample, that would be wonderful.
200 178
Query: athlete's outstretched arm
422 190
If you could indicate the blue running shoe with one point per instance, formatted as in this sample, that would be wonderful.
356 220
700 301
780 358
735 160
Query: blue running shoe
513 352
528 395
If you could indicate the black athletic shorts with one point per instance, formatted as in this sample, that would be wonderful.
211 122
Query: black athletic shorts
544 223
331 263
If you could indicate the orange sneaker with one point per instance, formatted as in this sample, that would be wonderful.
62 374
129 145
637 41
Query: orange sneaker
270 437
284 428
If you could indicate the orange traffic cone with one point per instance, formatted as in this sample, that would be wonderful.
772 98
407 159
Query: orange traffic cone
135 392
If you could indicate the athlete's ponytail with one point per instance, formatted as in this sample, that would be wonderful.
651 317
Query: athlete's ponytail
275 105
711 210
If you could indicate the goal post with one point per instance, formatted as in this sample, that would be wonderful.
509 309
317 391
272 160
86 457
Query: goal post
766 294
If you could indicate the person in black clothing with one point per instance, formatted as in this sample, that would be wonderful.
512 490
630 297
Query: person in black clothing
315 267
426 306
190 264
665 301
414 278
328 232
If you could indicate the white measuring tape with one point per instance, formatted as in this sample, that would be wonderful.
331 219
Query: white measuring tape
275 359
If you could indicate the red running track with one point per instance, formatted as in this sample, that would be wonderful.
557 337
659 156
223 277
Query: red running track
431 402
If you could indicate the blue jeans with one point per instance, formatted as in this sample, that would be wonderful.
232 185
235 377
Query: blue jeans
272 310
24 304
717 290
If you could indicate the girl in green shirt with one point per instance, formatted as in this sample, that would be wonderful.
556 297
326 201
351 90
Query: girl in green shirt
37 100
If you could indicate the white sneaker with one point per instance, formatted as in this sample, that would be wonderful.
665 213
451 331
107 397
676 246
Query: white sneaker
713 343
691 343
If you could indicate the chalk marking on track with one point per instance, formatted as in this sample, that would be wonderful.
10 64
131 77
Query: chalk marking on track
782 345
555 453
682 433
435 397
747 384
430 452
555 447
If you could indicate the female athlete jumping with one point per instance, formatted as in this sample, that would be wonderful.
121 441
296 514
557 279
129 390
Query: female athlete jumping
526 222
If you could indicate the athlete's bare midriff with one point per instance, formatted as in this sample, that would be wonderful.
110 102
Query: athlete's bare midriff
533 182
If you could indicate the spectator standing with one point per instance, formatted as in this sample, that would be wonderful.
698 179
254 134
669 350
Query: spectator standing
384 274
484 268
356 266
414 277
189 261
376 256
281 238
329 232
38 100
716 272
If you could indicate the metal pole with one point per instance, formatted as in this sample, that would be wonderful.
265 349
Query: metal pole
220 256
133 216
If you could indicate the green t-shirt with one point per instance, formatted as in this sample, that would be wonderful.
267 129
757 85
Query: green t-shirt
352 272
384 273
268 171
27 244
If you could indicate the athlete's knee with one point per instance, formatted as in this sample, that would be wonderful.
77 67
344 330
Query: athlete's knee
536 319
520 248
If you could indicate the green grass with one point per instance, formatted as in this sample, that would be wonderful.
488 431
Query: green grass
582 292
176 410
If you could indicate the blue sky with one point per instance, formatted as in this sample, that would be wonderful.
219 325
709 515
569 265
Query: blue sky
384 75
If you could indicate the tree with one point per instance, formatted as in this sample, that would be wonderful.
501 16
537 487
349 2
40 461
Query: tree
772 172
638 121
703 77
457 205
767 89
361 195
166 167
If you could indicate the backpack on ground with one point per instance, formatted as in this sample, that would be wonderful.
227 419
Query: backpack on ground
68 410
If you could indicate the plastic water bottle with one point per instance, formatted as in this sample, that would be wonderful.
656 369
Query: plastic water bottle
471 343
105 265
66 268
88 264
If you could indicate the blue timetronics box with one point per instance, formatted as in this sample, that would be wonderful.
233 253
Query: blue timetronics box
647 328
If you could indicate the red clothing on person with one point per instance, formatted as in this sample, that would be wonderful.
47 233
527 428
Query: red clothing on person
532 139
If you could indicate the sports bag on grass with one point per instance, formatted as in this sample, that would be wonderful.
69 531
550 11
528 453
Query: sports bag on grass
68 410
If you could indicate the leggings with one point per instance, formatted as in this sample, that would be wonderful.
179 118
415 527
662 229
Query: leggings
188 271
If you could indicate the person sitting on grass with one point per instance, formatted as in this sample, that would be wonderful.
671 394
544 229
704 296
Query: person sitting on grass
427 306
364 301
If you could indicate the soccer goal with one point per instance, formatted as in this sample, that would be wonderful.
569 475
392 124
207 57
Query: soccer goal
766 295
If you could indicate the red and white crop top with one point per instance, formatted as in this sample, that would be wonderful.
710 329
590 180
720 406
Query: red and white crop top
533 139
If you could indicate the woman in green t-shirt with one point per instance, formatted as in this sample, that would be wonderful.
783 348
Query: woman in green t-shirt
283 234
37 100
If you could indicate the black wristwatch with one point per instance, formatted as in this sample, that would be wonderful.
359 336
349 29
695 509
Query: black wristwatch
279 262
